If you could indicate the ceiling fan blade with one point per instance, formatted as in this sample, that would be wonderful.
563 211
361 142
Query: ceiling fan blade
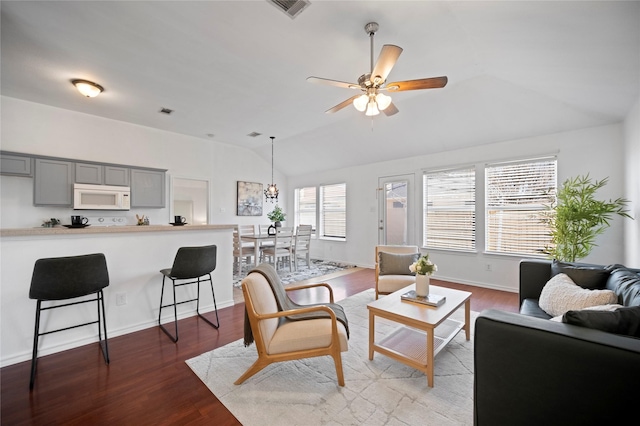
341 105
336 83
387 59
390 110
423 83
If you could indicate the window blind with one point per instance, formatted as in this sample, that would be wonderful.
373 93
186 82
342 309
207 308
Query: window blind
333 211
305 206
516 196
449 218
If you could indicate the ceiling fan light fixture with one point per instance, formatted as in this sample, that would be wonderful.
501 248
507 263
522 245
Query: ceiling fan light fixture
360 103
383 101
88 88
372 109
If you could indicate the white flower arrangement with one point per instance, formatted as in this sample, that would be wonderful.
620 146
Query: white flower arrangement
423 266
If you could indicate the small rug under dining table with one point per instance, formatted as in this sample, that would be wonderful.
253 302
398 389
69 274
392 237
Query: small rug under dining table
377 392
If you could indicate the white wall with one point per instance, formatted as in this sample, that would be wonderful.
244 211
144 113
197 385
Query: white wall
40 129
632 185
597 151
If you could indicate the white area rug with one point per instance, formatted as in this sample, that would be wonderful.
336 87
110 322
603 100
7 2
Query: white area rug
304 272
378 392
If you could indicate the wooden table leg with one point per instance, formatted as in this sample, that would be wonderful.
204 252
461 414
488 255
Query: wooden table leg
372 322
430 350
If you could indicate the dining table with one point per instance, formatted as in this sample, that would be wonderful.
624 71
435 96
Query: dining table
256 239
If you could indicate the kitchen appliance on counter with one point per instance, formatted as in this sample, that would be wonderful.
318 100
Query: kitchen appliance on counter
101 197
108 221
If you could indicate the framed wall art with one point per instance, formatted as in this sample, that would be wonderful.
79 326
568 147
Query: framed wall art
249 199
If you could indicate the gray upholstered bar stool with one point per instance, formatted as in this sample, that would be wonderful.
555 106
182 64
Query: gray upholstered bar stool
63 278
190 266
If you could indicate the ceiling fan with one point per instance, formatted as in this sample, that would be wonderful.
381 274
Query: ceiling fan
371 100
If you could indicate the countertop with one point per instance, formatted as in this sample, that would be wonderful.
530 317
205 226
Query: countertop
61 230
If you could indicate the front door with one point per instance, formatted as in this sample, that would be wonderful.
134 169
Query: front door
395 210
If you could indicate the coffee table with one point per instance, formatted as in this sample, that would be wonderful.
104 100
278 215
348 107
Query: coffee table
424 330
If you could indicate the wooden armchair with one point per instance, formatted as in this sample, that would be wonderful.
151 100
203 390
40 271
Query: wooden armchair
278 338
392 267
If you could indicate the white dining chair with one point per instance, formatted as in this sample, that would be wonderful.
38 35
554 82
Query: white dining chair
282 246
302 244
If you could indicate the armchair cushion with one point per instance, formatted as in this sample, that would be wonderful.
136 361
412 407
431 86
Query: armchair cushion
302 335
395 263
391 283
561 294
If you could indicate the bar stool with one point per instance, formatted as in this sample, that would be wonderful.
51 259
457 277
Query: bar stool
63 278
191 264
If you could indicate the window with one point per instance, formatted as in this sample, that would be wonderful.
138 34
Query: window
333 211
305 206
516 194
449 203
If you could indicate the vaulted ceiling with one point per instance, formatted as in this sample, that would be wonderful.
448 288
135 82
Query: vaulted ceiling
228 68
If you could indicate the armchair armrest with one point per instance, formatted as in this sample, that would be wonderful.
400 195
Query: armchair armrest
529 371
305 286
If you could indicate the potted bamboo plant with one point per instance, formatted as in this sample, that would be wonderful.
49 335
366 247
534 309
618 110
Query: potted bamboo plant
576 218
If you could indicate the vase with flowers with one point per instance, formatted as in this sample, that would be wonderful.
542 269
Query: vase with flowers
423 268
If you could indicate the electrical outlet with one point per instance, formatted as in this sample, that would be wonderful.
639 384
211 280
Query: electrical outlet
487 267
121 299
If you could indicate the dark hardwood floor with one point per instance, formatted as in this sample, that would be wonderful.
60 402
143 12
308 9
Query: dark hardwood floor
148 382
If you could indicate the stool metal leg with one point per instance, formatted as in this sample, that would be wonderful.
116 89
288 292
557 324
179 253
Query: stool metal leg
215 307
36 335
103 344
175 311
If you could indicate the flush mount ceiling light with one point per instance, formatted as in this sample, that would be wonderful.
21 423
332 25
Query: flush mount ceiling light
271 193
88 88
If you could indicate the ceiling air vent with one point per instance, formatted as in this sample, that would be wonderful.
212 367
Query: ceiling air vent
291 7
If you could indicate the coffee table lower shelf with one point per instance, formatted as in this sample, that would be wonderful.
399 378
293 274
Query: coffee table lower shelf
409 345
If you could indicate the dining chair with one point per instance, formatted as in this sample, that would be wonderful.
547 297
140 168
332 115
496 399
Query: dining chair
302 244
241 252
64 278
282 246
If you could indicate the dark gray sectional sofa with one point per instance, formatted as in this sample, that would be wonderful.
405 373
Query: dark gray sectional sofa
533 371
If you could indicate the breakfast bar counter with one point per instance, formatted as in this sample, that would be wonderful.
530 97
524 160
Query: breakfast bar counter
61 230
135 255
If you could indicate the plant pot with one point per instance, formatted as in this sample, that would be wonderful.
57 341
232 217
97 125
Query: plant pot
422 285
278 224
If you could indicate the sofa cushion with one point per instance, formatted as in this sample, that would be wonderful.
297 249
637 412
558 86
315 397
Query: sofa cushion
561 294
626 284
591 277
611 307
624 320
396 264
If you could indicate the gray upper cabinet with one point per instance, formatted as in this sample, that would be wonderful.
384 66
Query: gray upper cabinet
147 188
89 173
16 165
53 182
118 176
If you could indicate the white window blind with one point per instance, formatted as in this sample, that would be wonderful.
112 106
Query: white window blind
449 216
516 195
333 211
305 206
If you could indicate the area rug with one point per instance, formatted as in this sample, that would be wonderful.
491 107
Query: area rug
317 268
378 392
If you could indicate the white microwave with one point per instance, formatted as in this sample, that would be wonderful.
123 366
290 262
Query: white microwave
101 197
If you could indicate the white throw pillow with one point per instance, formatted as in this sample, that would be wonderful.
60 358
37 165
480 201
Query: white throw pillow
560 294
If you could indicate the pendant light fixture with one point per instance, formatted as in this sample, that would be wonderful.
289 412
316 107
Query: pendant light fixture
271 193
